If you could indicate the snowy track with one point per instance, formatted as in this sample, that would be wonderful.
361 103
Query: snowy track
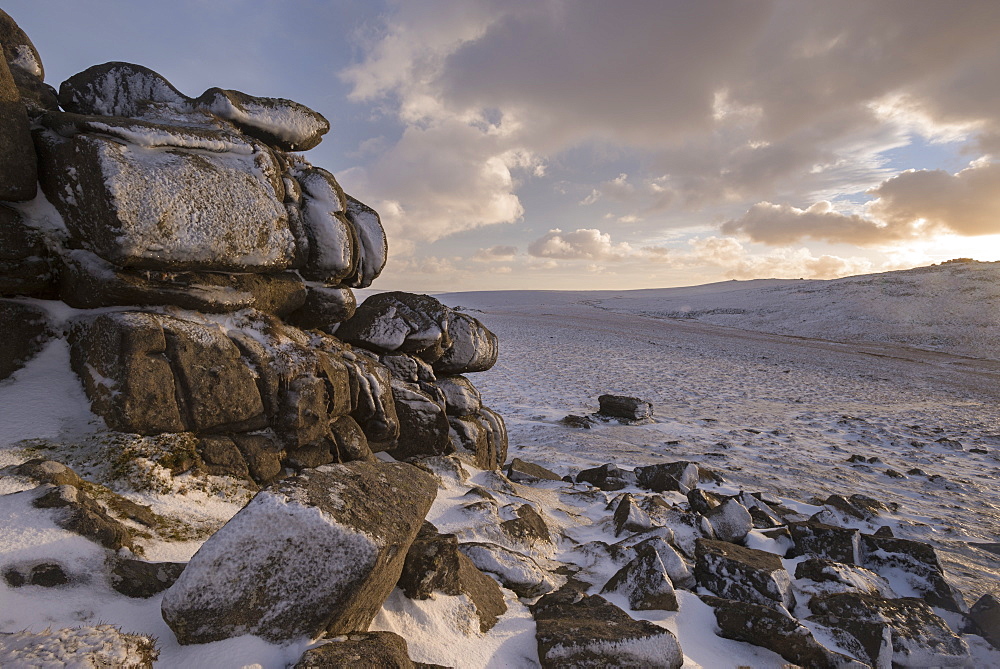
769 412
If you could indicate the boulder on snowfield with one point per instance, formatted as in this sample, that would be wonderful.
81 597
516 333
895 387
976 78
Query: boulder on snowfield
336 542
521 471
765 627
608 477
831 577
577 630
645 582
918 565
811 537
743 574
667 476
903 632
434 563
517 571
622 407
384 650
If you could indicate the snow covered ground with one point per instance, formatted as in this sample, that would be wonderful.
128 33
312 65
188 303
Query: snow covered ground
773 384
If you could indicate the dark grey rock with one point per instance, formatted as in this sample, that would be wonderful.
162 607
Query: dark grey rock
18 51
630 409
919 565
221 457
743 574
18 164
26 330
325 308
116 89
645 582
25 263
839 544
142 580
668 476
905 632
423 424
434 563
577 630
608 477
528 527
521 471
629 516
263 455
474 348
460 396
517 571
336 541
363 650
43 574
730 521
278 122
834 577
78 512
985 613
765 627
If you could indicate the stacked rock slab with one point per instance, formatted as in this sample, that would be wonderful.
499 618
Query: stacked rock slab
202 271
223 266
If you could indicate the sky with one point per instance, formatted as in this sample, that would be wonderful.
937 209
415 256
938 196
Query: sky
586 144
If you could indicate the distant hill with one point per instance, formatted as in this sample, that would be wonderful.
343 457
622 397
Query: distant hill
953 307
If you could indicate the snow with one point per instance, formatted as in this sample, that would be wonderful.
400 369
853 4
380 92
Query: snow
26 60
162 136
770 412
284 119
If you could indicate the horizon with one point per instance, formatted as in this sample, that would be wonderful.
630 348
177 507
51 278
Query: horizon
698 144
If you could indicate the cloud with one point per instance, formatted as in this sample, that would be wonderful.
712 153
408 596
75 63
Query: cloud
913 204
590 243
496 254
785 263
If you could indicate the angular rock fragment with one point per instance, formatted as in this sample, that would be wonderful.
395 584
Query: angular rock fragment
435 564
578 630
26 329
678 571
423 424
221 457
985 613
384 650
91 647
142 580
629 516
516 571
630 409
917 563
325 308
78 512
831 577
743 574
521 471
811 537
765 627
645 582
460 396
336 542
528 527
918 637
608 477
730 521
666 476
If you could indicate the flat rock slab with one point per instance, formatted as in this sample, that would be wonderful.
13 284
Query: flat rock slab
743 574
578 630
315 553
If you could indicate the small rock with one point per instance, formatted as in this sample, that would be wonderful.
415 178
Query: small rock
572 420
986 614
80 513
629 516
139 579
667 476
528 527
577 630
811 537
49 471
607 477
630 409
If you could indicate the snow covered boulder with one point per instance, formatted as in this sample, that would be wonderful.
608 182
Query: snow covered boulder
18 164
517 571
26 329
373 247
527 528
629 516
765 627
116 89
521 471
829 577
84 647
397 321
316 553
917 563
190 203
473 347
277 122
460 396
578 630
645 582
332 239
25 265
481 438
730 521
811 537
743 574
917 636
435 564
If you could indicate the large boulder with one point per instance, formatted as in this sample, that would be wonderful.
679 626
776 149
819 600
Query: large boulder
743 574
577 630
917 636
116 89
768 628
281 123
18 165
26 329
333 241
139 204
316 553
625 408
645 582
917 563
481 438
423 424
435 564
668 476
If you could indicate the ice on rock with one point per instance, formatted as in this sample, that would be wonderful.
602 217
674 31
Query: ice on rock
371 237
333 242
283 123
116 89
